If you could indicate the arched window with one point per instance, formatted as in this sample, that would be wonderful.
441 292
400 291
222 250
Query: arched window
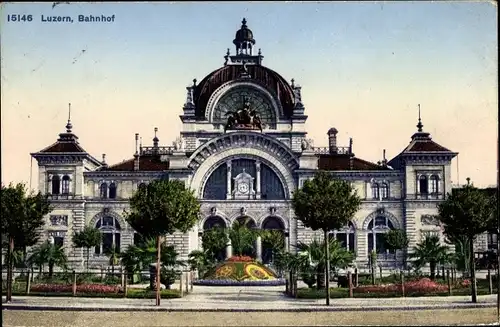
376 230
423 185
346 237
111 234
375 191
247 221
434 184
384 191
104 190
56 183
112 191
65 184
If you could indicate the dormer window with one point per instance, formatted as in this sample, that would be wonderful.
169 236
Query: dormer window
112 191
423 185
104 190
375 191
434 184
65 184
56 184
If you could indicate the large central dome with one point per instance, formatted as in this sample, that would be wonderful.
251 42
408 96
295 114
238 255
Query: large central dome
246 67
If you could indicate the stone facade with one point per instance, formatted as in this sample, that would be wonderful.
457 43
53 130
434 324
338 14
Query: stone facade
400 193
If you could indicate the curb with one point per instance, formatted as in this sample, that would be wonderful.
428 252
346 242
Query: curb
14 307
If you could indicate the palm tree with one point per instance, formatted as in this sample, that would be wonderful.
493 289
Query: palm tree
214 243
242 238
429 251
340 257
273 240
200 261
50 254
114 257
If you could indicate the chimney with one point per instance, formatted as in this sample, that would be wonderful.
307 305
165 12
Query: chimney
332 140
136 155
350 145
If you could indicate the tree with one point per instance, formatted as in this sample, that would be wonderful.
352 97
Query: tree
114 257
467 212
325 203
214 242
242 238
162 207
88 238
50 254
430 251
22 219
273 240
339 257
396 239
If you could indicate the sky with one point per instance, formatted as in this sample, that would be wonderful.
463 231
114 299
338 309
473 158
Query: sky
363 66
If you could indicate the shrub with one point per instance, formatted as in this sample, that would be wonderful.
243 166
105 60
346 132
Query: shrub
84 288
423 285
167 277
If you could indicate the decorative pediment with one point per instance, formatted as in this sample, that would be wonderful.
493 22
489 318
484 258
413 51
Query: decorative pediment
429 220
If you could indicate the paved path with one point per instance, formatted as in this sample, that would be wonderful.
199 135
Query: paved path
206 298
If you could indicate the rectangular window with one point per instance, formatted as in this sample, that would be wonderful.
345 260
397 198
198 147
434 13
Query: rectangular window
370 242
59 241
342 238
117 242
351 242
107 242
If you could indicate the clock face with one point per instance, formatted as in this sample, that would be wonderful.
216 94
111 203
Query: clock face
243 187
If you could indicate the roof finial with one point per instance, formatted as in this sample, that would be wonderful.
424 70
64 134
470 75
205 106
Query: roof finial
419 125
293 82
68 125
244 22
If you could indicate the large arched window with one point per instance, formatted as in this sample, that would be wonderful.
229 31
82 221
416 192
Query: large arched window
375 191
277 227
423 184
111 235
65 184
112 191
104 190
271 186
246 221
216 186
434 184
346 237
376 230
56 183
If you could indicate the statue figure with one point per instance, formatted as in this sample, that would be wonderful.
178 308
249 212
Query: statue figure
245 117
178 144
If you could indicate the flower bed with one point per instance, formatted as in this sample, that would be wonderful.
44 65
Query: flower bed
228 282
424 285
241 271
68 288
242 258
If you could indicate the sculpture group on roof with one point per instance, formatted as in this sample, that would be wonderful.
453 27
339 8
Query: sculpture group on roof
244 118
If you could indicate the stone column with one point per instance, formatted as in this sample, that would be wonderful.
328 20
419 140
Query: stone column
258 245
200 241
229 250
229 177
257 180
287 242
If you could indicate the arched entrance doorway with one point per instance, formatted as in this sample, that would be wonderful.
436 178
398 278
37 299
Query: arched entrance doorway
243 240
274 238
212 237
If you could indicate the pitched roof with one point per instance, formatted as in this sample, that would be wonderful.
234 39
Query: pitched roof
67 142
422 142
346 162
146 163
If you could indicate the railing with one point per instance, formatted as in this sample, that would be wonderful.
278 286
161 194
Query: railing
326 150
68 196
425 196
161 150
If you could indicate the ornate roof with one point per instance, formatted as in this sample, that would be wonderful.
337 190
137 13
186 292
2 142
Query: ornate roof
259 74
146 163
333 162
